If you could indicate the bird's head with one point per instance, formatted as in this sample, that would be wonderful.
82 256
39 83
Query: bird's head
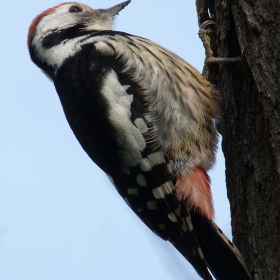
65 22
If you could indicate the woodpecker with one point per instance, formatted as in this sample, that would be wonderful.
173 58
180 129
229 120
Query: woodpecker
146 118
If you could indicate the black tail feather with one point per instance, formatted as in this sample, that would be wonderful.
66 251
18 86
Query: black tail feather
222 257
187 251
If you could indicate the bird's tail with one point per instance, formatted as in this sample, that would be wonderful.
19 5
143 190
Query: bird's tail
222 257
189 251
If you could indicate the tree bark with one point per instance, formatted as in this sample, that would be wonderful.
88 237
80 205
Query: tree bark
250 126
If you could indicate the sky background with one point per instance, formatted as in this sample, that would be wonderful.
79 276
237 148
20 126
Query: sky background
60 217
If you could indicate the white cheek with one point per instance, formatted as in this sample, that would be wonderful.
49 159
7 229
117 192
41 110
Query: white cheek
56 55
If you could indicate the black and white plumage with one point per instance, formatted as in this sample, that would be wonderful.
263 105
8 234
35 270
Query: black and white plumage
145 117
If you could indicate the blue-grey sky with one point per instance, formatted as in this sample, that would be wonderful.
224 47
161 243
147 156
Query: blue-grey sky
60 217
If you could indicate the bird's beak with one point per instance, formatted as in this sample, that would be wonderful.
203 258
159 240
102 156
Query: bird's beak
115 9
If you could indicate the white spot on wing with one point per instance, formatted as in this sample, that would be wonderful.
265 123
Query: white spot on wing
158 193
169 168
133 191
172 217
162 190
189 223
152 160
152 205
141 181
168 187
145 165
156 158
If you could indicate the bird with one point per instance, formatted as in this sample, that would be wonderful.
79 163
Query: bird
147 118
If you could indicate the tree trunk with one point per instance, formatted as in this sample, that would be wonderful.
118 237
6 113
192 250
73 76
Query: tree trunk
250 126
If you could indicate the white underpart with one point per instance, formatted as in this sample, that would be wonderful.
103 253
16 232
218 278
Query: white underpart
130 139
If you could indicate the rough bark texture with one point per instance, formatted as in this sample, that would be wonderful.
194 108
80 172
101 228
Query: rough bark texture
250 127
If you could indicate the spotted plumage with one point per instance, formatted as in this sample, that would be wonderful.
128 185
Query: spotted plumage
146 118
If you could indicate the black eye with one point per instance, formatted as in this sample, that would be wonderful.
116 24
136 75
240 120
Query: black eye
75 9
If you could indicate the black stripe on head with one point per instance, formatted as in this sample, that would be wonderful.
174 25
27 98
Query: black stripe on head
59 35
